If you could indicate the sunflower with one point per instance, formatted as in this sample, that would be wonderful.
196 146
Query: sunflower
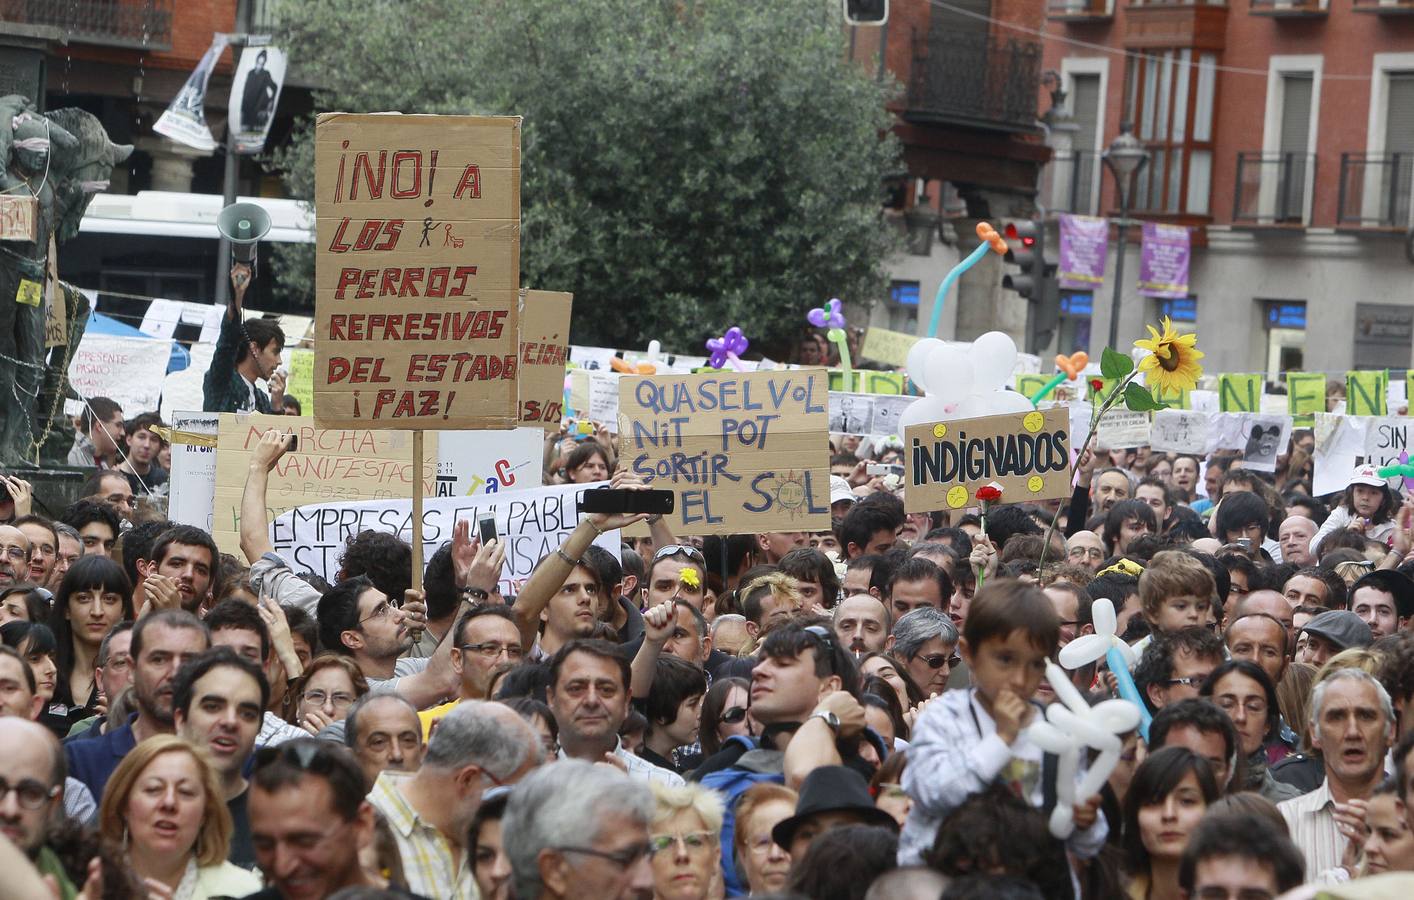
1172 363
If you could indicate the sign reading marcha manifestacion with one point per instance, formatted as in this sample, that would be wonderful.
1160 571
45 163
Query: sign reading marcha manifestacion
418 271
746 452
1027 454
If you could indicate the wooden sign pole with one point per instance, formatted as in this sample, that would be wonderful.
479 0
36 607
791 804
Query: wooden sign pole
417 510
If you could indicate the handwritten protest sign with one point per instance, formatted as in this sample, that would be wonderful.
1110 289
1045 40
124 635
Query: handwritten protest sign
328 465
533 523
417 271
1179 431
1365 393
746 452
1240 393
594 396
1122 429
300 384
128 370
1027 454
544 349
887 346
193 478
56 312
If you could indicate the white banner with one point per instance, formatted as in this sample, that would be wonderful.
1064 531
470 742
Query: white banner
533 523
184 121
486 462
193 478
255 92
127 370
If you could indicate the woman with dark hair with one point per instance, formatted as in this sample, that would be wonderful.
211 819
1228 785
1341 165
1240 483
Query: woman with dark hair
93 597
1244 691
588 463
35 642
723 713
489 862
883 711
1171 790
882 665
23 602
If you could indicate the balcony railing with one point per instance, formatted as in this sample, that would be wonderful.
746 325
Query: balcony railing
1385 7
975 80
1376 190
1072 182
1290 8
1273 188
144 24
1080 10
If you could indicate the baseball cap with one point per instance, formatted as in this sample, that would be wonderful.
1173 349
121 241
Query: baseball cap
1342 628
839 490
1367 475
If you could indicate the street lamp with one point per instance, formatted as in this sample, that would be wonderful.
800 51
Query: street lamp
1124 157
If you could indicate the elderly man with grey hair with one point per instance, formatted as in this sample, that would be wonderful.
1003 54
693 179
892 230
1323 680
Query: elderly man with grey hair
1352 725
578 829
476 746
383 731
924 643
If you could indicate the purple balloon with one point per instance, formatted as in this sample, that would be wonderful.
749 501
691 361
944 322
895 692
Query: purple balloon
830 316
733 343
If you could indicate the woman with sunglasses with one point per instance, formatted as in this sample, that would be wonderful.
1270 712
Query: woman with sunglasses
723 713
684 834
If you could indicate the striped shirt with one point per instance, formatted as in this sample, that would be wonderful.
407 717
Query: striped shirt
429 862
1311 821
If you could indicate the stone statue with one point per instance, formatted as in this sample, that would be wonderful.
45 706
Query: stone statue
62 159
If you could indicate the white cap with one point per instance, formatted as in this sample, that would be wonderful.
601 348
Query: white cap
839 490
1368 475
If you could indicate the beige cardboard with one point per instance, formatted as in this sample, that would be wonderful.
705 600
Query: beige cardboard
448 244
329 466
56 313
17 218
544 350
1021 479
886 346
746 452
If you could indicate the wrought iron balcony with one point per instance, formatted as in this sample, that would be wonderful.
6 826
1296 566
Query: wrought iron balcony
1290 8
974 80
145 24
1080 10
1273 188
1071 182
1376 190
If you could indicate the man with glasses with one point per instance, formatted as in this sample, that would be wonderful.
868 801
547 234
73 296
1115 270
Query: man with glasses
309 820
485 642
32 792
44 547
218 700
475 747
1238 856
14 556
924 644
572 829
383 732
1084 548
162 643
1174 666
19 702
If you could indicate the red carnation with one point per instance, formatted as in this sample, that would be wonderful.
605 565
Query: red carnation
1097 384
990 493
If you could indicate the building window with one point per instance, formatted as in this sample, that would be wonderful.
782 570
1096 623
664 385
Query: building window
1285 313
903 306
904 293
1075 318
1180 309
1169 99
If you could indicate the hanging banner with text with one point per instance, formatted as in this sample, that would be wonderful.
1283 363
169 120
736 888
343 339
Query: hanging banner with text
532 523
1084 245
128 370
746 452
417 271
544 350
1163 261
327 465
1027 454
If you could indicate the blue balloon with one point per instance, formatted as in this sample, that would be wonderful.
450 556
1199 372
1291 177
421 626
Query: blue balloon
1128 689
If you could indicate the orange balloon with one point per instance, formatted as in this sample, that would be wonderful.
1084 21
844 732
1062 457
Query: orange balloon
1073 364
986 232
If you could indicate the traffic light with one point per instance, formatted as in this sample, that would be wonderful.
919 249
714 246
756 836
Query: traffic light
1026 241
866 12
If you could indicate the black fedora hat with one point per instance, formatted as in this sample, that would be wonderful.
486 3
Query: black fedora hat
831 789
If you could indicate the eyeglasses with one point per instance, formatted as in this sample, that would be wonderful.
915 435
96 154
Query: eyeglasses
15 552
673 549
1192 681
1216 892
822 635
30 793
493 649
938 660
319 698
1091 552
733 715
693 840
1253 705
381 611
625 858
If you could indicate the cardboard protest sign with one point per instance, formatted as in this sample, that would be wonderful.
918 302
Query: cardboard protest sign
746 452
532 523
417 271
1240 393
128 370
1027 454
544 350
1365 393
56 312
1305 393
300 383
887 346
192 484
327 465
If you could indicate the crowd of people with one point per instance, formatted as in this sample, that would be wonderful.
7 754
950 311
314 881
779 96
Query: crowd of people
832 714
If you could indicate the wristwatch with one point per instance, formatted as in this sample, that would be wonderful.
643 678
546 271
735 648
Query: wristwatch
829 719
474 593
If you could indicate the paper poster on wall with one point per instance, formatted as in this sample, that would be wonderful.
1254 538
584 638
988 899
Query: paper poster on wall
746 452
533 523
417 271
1026 454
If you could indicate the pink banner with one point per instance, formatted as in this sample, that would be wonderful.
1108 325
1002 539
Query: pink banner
1163 261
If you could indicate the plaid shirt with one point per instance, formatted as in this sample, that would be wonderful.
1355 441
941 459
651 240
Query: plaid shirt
223 389
428 858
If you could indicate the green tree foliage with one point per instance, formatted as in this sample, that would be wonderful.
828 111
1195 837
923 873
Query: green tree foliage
687 164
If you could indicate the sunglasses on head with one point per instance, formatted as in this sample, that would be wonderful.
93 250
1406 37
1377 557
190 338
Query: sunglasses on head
674 549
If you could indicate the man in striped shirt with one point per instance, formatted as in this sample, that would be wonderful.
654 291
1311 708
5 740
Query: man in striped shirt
1352 725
